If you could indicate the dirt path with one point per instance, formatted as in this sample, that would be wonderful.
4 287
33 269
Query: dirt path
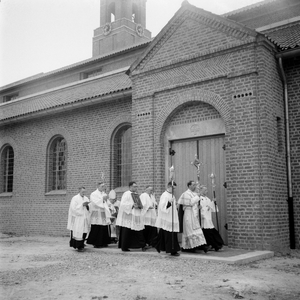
46 268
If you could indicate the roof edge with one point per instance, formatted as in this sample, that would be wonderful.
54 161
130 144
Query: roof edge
278 24
111 73
248 7
66 68
80 103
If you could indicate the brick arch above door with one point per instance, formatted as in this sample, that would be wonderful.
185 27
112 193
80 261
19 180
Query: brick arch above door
196 95
193 120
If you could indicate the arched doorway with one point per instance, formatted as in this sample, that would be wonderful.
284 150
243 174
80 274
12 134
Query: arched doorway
202 135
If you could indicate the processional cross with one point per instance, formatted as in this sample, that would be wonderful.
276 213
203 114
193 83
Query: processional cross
212 176
197 164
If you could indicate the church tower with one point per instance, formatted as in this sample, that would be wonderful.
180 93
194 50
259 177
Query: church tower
122 24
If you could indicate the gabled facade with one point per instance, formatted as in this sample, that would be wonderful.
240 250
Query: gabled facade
215 68
205 85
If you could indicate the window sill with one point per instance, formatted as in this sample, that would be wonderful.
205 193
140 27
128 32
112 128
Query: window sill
56 192
6 195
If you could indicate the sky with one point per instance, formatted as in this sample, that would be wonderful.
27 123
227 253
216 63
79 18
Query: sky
43 35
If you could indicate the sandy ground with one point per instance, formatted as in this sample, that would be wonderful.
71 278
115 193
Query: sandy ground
46 268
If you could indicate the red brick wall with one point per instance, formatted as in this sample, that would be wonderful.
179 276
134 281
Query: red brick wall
194 112
190 35
88 133
292 69
272 191
249 99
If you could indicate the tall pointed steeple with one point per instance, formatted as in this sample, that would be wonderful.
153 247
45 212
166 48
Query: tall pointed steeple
122 24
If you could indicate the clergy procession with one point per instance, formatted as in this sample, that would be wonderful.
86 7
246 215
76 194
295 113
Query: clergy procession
139 222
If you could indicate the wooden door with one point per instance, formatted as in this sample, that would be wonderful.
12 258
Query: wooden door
211 154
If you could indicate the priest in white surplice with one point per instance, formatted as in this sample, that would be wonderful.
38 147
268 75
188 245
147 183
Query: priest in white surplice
167 223
130 220
78 219
192 236
99 235
208 206
150 204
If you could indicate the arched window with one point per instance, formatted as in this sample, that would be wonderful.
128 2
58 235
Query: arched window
57 164
7 169
122 157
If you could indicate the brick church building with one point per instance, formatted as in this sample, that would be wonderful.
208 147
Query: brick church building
223 87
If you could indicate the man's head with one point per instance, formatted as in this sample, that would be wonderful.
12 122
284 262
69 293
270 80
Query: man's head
191 185
101 186
203 190
81 191
170 185
133 186
149 189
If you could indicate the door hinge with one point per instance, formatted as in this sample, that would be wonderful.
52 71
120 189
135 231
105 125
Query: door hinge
224 147
225 185
226 226
171 152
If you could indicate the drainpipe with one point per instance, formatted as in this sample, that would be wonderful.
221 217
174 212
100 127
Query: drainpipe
288 148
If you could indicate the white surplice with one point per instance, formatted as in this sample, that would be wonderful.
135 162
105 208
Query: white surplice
149 204
114 208
100 212
164 218
207 207
78 217
129 217
192 235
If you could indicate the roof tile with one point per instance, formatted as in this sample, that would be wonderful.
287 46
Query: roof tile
285 37
64 96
